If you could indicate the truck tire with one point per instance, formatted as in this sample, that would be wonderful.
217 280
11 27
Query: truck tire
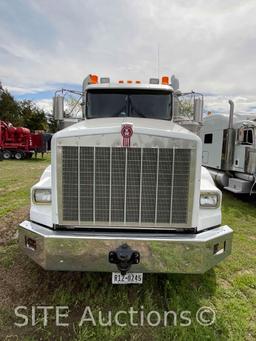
7 155
19 155
1 156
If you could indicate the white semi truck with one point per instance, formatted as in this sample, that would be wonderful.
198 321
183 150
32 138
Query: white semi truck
126 192
229 150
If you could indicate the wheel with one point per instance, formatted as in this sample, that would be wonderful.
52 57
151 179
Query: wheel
7 155
19 155
1 156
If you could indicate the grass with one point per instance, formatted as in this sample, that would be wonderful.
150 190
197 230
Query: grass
16 178
229 288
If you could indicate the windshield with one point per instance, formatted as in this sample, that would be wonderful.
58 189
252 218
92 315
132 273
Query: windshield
129 102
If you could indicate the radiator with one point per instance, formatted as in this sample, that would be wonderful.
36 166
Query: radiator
115 186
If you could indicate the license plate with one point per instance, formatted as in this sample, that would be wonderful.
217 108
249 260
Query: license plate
129 278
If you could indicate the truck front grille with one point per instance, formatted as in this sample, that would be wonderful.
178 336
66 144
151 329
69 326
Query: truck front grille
116 186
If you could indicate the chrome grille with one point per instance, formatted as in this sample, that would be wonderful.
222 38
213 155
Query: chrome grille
125 186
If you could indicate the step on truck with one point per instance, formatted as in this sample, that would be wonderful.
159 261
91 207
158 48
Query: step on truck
126 192
229 150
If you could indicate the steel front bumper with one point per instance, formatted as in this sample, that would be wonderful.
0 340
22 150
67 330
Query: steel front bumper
88 251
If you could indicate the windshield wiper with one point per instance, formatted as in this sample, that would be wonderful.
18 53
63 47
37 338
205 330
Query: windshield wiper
135 111
121 111
139 113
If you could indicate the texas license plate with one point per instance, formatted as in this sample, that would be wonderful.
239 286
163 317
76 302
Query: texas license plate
129 278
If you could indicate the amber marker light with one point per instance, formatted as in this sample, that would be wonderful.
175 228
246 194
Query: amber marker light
165 80
93 79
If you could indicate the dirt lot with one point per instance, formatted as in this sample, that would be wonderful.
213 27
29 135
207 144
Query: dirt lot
229 289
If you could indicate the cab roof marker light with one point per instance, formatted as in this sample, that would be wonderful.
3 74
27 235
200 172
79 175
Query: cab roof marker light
154 81
129 82
120 82
104 80
165 80
138 82
93 79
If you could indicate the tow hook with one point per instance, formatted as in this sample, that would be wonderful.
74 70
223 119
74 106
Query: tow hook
124 257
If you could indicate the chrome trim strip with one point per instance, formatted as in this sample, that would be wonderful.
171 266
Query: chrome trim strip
59 195
110 183
191 185
131 226
173 166
141 170
94 185
157 174
125 184
79 185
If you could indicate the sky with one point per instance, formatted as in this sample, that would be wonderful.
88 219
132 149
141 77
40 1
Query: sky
210 46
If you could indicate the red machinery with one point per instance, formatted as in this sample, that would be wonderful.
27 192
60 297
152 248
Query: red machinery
19 142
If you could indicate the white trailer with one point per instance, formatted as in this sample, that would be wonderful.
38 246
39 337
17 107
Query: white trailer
125 191
229 150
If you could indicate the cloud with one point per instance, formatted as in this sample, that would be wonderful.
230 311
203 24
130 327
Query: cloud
219 104
210 46
45 104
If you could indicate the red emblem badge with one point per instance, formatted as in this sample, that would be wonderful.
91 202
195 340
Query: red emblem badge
127 132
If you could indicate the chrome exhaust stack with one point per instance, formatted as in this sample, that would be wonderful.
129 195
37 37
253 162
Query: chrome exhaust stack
230 139
231 114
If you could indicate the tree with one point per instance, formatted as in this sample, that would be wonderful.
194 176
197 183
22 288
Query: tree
32 117
9 109
21 113
52 125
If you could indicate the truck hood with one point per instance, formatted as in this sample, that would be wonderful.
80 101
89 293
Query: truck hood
145 126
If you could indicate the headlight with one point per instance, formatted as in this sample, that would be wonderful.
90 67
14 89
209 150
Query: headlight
209 200
42 196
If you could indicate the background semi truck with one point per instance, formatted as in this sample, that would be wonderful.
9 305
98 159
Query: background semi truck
229 150
125 192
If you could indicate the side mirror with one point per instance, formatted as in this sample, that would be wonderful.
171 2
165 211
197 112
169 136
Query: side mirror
175 83
58 107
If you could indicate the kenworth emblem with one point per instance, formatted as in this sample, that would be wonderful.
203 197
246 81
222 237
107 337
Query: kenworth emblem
126 132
